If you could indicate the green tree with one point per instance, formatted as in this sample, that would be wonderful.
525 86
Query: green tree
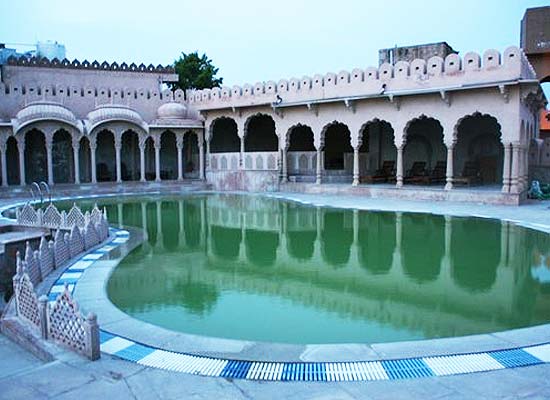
195 72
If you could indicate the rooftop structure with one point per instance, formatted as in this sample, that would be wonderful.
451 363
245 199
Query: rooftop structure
410 53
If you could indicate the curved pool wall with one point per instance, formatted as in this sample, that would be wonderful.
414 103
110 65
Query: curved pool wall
159 348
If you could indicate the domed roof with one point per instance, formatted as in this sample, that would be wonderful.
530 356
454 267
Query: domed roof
172 111
111 112
41 111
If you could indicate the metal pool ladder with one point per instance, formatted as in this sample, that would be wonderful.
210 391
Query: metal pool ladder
39 189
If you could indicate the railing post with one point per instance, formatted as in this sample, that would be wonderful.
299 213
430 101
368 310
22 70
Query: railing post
92 337
44 319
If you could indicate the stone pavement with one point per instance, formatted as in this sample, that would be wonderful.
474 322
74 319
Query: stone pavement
71 377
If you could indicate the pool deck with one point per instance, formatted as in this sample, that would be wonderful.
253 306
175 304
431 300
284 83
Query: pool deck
529 381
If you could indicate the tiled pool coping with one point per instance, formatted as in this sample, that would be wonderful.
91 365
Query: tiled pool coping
129 339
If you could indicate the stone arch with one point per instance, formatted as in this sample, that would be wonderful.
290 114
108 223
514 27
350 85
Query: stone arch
423 143
479 147
12 161
129 156
223 136
105 156
300 138
336 143
84 159
168 156
260 134
36 165
301 150
149 155
191 154
376 146
62 157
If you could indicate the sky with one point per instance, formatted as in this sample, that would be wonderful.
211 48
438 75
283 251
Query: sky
254 40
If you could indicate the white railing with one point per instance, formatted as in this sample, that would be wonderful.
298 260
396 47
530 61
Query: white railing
52 218
224 161
261 161
62 321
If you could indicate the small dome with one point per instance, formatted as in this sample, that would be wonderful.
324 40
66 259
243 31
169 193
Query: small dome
172 111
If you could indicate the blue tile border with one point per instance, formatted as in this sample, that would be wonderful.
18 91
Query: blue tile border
391 369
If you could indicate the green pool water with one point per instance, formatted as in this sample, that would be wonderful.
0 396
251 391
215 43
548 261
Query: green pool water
255 268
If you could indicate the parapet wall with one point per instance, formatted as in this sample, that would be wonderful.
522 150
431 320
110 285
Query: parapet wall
453 72
82 86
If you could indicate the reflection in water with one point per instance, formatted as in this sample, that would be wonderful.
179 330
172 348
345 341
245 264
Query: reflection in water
483 244
376 241
422 246
262 269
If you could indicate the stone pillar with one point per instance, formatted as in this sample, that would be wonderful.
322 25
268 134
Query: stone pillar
93 148
506 168
284 174
526 167
92 337
118 147
355 181
49 159
207 156
399 174
157 160
514 179
4 164
319 170
21 148
142 160
76 158
179 146
450 166
43 313
201 158
241 154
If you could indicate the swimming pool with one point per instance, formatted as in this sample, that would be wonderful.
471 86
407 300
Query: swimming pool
262 269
